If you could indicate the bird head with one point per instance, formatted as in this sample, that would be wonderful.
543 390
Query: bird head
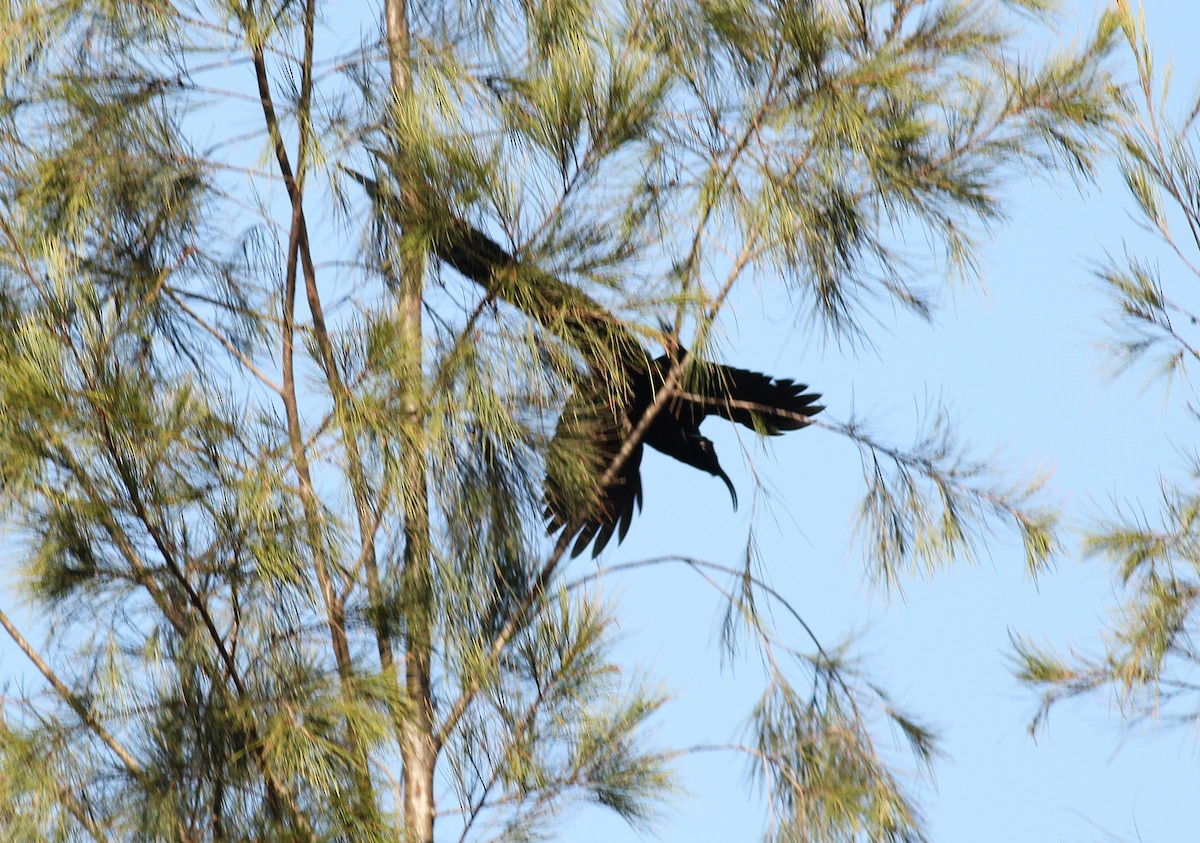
707 461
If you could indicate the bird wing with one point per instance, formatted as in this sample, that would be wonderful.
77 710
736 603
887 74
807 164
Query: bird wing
587 440
762 403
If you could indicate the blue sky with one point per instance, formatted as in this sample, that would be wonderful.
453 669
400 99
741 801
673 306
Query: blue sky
1020 367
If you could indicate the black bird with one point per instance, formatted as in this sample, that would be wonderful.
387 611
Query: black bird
605 409
601 414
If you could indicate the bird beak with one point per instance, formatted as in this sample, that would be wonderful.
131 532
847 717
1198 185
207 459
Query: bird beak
729 484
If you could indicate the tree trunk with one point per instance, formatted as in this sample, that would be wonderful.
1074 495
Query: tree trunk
417 744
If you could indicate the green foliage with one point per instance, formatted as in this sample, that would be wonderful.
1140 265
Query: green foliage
1148 664
824 772
556 723
932 504
1149 661
275 487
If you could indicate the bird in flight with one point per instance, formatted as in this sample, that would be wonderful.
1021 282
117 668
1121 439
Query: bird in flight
604 411
606 407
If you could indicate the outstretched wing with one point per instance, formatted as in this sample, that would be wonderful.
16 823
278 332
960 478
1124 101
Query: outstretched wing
586 441
762 403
